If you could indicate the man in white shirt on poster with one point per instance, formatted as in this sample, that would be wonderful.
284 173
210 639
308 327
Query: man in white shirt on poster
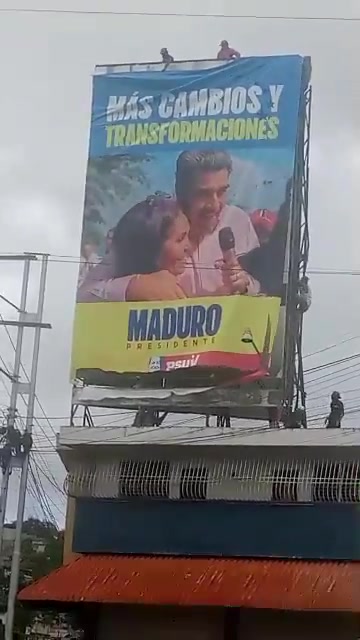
201 185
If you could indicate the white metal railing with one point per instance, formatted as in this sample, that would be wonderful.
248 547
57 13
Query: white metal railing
199 479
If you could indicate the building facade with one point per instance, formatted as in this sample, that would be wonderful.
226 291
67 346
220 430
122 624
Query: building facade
247 533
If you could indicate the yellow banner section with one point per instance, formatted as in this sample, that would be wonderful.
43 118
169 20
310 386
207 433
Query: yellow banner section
131 337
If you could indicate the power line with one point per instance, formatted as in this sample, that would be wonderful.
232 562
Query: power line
343 392
176 14
34 506
314 272
50 481
336 375
334 363
334 272
54 481
123 414
72 259
338 380
45 494
24 371
42 498
331 346
188 437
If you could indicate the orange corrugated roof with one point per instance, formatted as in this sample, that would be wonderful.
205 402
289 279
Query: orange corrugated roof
274 584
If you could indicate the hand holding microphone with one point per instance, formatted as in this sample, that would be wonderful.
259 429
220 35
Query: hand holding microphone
235 279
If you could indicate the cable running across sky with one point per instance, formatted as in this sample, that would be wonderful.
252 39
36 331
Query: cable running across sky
177 14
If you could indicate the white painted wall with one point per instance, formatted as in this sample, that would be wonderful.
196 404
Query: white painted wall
242 478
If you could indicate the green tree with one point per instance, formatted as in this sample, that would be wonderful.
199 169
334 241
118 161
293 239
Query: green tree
34 564
110 180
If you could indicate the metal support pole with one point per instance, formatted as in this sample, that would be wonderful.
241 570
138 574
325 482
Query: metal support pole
15 565
14 390
3 503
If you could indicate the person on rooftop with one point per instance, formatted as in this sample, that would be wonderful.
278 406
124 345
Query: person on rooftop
337 412
226 52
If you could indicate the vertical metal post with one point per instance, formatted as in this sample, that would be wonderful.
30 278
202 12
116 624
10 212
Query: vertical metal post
15 565
3 503
293 389
14 391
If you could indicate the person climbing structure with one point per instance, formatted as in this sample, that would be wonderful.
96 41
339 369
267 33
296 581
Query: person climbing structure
304 296
5 457
26 442
14 438
226 52
166 57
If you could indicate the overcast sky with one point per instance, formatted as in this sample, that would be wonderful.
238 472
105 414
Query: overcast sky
45 69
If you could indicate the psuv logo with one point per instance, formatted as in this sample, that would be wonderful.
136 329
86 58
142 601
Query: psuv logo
170 363
193 321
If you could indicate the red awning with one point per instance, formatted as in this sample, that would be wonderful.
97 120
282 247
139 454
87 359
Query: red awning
265 584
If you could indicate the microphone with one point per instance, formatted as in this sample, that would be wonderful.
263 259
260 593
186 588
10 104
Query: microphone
227 246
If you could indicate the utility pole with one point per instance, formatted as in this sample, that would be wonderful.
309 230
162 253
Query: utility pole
27 388
14 390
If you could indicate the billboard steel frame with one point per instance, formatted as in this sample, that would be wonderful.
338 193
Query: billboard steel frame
294 383
292 391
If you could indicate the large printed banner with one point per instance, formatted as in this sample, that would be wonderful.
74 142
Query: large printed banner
186 218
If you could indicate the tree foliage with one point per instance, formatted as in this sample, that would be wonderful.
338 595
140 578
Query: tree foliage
41 553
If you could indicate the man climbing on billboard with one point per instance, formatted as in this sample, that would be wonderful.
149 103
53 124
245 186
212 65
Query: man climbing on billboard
166 57
226 52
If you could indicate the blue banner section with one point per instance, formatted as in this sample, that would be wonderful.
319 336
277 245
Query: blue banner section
216 528
250 103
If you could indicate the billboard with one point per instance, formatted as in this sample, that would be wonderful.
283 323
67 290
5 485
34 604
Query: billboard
187 219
